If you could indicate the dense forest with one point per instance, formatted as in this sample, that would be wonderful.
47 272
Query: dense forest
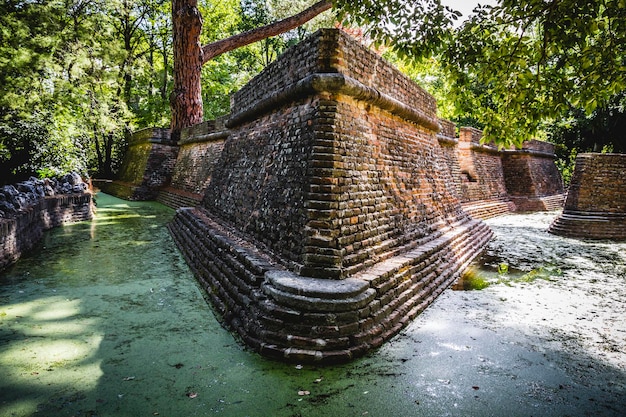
77 76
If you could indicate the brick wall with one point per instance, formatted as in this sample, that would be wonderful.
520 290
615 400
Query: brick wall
19 234
532 179
148 166
328 223
481 168
596 202
200 148
491 181
339 179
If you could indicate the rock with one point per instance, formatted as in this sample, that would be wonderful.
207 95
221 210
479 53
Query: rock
9 191
22 195
48 190
7 208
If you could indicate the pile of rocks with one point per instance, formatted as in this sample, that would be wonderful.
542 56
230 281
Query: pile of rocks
25 194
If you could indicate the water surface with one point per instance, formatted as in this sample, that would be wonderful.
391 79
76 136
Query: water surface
104 318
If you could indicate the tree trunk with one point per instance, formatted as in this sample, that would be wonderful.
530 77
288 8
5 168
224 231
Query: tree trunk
189 56
186 98
108 155
98 150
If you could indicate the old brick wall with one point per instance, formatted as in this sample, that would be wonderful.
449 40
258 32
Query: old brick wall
328 223
332 183
147 166
596 202
262 178
491 181
200 148
598 184
481 168
532 179
19 234
329 54
449 150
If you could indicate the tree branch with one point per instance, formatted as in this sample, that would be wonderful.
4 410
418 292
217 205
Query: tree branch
214 49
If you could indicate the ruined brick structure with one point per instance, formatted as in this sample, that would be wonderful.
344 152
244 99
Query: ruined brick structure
200 148
533 182
331 206
596 203
325 229
21 232
482 191
490 181
147 166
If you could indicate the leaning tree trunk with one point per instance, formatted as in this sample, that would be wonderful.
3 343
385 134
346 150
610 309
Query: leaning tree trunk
186 98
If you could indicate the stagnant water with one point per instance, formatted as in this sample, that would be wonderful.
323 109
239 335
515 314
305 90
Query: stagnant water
105 319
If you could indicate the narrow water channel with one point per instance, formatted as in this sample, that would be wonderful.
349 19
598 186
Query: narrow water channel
104 318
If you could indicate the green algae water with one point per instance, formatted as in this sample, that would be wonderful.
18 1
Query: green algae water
104 318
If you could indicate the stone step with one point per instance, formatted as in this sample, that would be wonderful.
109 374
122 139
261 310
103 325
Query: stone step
282 314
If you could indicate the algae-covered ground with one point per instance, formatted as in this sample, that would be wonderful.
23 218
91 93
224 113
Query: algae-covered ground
105 319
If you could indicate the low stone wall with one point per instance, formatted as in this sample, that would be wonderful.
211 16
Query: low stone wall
325 229
532 180
490 181
596 202
200 148
22 228
147 166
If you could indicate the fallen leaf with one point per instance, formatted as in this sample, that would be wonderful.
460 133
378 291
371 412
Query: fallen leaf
318 380
129 378
304 392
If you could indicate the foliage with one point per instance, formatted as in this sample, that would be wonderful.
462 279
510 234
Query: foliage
534 61
471 279
601 130
514 67
415 29
77 75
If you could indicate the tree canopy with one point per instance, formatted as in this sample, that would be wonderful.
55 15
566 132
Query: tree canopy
76 75
531 63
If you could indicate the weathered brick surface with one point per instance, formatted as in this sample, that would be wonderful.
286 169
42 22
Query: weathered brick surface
328 52
490 181
19 234
148 166
332 186
481 168
200 150
532 180
325 228
596 202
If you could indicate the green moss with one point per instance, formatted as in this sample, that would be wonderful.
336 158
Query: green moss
472 280
545 273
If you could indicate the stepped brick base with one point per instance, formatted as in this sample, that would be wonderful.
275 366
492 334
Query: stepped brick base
176 198
548 203
486 209
296 318
590 225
